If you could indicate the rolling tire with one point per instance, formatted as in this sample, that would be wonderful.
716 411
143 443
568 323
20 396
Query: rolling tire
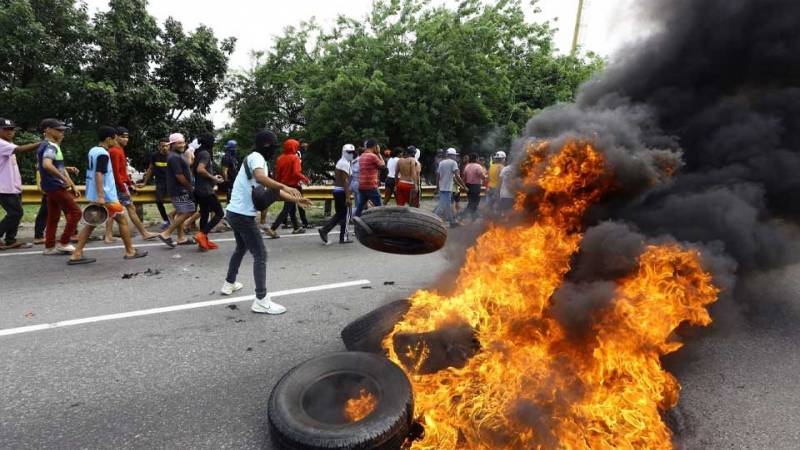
401 230
306 406
366 334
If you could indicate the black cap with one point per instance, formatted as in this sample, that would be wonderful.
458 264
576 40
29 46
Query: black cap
6 123
104 133
370 143
53 123
121 131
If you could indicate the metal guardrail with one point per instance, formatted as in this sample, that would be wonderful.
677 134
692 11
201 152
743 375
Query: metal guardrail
31 195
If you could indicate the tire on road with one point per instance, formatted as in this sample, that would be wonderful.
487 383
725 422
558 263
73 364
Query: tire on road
401 230
306 407
366 333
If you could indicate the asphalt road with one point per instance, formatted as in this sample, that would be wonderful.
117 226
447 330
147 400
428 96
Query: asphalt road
200 378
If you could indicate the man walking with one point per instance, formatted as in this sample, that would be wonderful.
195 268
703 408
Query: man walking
11 185
102 190
369 165
242 218
158 169
230 167
179 187
205 181
119 164
408 170
448 177
58 187
341 196
474 176
492 191
289 171
391 176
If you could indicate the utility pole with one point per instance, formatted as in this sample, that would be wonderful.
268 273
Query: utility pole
578 23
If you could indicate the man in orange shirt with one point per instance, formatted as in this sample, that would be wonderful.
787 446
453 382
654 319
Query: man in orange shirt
369 164
119 164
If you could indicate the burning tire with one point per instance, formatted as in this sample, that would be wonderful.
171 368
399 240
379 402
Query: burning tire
346 400
401 230
366 333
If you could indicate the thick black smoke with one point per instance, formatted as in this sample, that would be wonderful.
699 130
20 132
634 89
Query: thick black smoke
718 84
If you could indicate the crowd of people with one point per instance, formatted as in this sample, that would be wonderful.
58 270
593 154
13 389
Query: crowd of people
186 175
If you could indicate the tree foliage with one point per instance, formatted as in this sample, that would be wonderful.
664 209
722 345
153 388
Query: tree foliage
409 73
120 67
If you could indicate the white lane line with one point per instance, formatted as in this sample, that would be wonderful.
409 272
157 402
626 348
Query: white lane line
142 245
167 309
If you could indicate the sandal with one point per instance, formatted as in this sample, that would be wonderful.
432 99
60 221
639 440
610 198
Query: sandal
168 241
80 261
136 255
188 241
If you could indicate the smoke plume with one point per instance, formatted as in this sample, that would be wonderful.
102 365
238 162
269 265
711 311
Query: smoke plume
715 94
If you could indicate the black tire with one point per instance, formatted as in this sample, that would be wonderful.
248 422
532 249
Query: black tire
366 334
306 406
401 230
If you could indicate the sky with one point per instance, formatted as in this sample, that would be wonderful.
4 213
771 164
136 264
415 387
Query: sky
608 24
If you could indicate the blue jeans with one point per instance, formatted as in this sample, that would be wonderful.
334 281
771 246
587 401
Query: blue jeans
248 238
445 206
364 197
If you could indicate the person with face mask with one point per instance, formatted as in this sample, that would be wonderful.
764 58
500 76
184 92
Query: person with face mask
179 187
205 181
241 214
341 196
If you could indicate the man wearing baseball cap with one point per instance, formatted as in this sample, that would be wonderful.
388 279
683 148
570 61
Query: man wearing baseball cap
58 187
11 185
493 192
448 176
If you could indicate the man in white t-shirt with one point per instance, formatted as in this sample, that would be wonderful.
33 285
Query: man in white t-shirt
506 202
241 216
341 196
391 177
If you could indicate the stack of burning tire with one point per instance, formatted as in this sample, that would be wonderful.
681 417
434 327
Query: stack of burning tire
359 399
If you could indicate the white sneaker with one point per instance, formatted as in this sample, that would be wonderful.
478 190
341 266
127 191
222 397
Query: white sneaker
230 288
69 248
52 251
266 306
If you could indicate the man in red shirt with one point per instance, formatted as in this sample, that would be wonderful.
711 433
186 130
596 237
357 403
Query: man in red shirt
119 164
369 166
289 171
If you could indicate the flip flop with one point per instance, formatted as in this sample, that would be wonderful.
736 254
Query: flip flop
14 246
151 237
167 241
188 241
82 260
136 255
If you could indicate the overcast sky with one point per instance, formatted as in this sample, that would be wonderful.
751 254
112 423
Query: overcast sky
608 23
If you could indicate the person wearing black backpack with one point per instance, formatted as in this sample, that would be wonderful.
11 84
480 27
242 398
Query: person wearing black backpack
253 190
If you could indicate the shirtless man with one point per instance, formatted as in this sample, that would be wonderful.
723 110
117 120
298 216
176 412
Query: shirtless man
408 170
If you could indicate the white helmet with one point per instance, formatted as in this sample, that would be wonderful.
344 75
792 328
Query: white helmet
500 155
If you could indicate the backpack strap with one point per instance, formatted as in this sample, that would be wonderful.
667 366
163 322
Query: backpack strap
247 170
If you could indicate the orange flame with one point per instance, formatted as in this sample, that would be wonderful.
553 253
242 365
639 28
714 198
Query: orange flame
531 385
360 407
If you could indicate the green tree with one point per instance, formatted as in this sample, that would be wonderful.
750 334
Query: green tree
409 73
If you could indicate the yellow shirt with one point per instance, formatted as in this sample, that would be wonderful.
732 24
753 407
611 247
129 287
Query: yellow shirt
494 175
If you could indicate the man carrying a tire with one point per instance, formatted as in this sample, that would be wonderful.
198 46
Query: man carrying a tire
448 177
341 197
369 166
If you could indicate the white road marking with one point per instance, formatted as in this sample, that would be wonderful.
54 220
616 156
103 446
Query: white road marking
167 309
138 244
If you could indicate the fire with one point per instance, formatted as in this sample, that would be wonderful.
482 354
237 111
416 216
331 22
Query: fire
531 385
358 408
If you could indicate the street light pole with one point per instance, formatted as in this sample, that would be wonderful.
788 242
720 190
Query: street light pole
578 20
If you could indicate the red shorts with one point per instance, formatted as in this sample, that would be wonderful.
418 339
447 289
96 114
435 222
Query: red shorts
403 192
114 209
